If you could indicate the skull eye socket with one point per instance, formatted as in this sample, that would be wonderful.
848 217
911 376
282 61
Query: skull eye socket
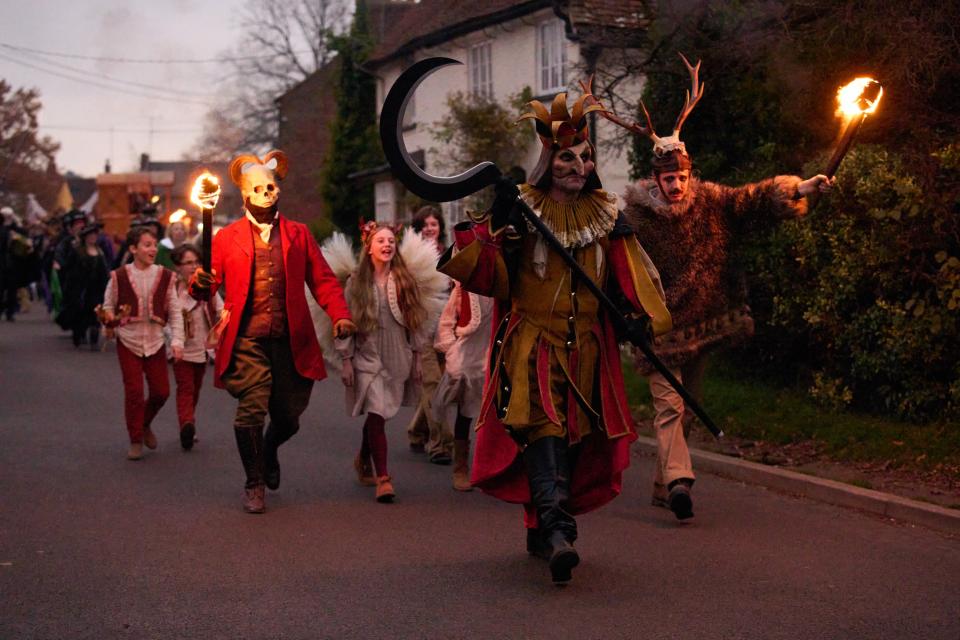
270 187
257 189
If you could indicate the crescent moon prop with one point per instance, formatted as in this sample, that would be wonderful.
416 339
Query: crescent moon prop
445 189
418 181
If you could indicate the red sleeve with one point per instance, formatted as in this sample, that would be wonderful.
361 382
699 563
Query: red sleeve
322 282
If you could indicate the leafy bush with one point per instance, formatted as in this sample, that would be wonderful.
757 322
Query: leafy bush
862 298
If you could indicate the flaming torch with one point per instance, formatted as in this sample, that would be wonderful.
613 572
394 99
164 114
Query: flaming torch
855 101
205 194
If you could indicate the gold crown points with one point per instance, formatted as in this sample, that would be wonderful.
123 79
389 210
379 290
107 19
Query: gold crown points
369 228
559 128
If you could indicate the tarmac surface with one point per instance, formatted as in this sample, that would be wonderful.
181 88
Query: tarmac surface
95 546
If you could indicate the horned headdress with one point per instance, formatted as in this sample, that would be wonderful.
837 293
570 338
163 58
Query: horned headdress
669 152
560 128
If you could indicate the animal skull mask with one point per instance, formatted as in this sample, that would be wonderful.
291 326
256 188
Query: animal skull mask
259 183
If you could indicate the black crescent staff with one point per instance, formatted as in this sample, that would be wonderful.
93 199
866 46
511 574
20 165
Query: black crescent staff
445 189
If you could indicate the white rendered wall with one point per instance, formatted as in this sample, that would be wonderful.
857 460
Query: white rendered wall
515 65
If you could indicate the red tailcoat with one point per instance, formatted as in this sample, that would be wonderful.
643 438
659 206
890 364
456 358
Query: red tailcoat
232 262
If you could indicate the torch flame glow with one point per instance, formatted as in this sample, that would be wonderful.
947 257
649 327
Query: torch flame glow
178 215
205 191
853 99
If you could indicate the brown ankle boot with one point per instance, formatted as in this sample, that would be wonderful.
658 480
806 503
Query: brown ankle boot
461 468
364 471
385 491
253 499
149 438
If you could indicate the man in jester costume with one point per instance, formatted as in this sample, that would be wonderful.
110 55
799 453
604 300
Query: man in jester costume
554 428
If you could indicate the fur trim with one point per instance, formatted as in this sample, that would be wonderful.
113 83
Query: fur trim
475 316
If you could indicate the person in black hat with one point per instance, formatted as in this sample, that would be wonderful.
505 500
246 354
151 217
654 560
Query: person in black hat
83 288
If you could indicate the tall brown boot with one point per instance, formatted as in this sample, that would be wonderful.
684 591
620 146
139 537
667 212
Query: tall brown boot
461 465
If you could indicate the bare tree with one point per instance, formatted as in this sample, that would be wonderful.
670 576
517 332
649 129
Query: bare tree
282 44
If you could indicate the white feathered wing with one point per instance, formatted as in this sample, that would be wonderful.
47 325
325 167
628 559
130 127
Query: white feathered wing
338 252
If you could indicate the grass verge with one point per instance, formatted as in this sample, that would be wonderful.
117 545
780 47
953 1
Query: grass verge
751 409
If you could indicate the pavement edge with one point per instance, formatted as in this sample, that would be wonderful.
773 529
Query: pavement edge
821 489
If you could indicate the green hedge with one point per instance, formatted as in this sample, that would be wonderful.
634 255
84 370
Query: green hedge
861 299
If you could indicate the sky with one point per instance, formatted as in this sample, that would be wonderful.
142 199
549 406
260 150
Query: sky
80 114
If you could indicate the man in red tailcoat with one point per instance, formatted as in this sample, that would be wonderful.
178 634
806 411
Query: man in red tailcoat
268 356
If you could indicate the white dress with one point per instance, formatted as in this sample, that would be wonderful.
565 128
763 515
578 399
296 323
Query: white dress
382 360
465 342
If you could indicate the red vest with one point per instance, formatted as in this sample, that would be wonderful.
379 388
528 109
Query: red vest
156 308
265 315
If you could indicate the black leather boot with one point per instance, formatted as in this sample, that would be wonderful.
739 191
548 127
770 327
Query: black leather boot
250 446
276 435
548 471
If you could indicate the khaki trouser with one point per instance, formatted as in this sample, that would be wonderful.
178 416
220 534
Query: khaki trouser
671 421
437 437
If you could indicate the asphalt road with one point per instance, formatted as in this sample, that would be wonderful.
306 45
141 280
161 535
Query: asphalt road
95 546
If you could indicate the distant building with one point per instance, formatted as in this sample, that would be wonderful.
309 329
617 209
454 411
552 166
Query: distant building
506 46
121 197
305 113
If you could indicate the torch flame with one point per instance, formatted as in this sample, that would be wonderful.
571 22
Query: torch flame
855 99
205 191
177 215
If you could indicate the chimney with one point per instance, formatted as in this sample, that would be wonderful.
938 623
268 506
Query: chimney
106 166
144 161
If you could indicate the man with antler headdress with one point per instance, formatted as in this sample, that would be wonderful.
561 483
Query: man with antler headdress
688 226
554 426
268 356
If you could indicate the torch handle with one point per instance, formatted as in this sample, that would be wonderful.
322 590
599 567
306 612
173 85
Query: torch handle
846 140
207 215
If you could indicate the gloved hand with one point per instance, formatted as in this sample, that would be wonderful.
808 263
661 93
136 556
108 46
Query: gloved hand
639 329
344 328
504 209
200 284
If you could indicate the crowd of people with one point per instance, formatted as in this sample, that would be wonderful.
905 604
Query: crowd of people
499 334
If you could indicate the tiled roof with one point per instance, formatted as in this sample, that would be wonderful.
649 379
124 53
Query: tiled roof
430 22
610 22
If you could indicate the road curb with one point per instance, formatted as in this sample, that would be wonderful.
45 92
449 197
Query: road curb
821 489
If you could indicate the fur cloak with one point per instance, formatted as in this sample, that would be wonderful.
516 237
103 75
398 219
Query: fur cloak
690 243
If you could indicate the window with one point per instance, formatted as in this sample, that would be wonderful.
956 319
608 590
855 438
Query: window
481 70
552 56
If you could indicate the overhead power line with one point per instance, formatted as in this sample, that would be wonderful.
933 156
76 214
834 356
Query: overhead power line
77 56
89 83
103 76
67 127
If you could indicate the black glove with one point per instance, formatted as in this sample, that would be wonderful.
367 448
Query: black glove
638 329
200 284
505 210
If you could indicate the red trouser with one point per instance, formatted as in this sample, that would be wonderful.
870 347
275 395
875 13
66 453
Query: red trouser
189 378
139 412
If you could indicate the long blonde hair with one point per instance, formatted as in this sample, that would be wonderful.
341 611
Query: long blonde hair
363 299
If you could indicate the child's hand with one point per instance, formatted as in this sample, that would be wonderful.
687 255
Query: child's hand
347 374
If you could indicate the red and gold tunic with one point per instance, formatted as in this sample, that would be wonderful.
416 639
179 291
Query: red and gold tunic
555 363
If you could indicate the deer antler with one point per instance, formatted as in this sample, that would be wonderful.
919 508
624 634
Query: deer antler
692 98
629 125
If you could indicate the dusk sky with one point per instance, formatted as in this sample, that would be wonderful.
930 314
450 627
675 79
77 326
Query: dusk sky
78 107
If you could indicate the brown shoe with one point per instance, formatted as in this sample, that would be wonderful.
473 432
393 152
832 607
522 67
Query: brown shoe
149 439
135 452
253 501
385 491
364 472
461 469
